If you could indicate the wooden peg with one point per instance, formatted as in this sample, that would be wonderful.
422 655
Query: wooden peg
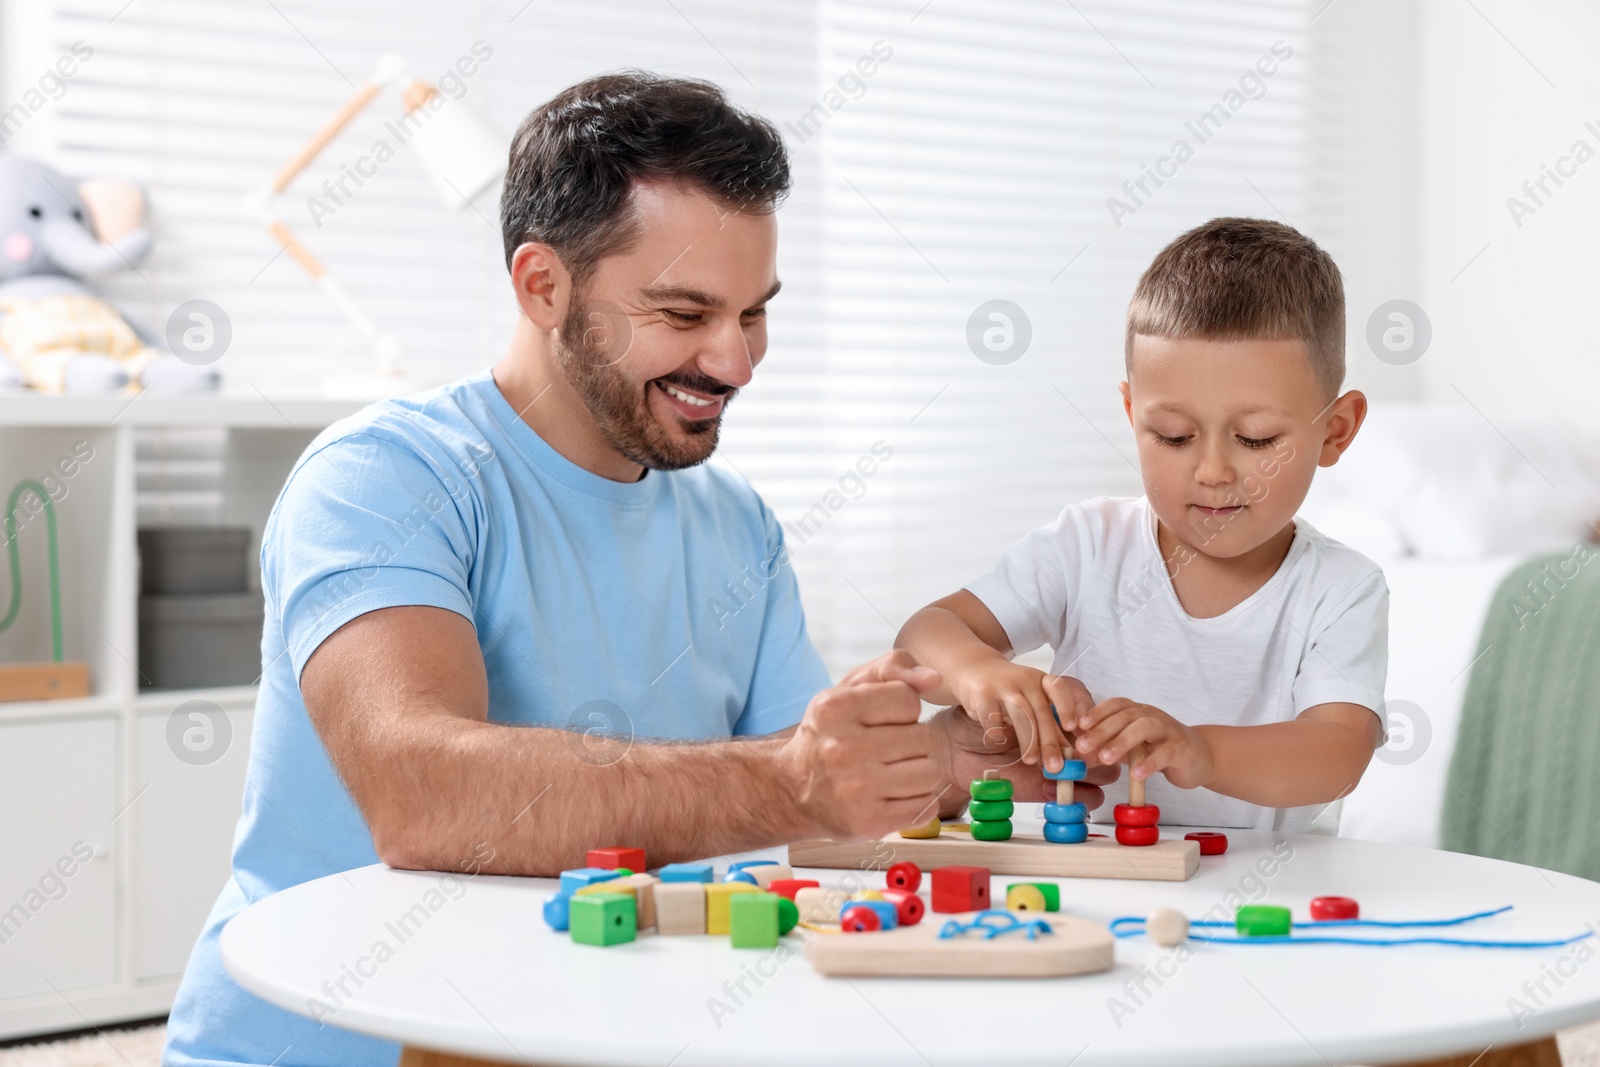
1135 785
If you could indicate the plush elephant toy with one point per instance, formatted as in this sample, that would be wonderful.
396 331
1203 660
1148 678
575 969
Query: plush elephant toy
55 334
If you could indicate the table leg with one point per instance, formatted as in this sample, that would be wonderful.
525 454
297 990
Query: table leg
411 1056
1541 1053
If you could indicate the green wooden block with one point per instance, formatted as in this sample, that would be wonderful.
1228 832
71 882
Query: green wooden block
753 920
991 831
992 810
1262 920
603 918
1049 890
991 789
788 915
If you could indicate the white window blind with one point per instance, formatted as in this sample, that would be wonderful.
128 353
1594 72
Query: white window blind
973 163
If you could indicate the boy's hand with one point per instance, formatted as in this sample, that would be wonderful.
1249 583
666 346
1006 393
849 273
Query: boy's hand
1109 731
998 691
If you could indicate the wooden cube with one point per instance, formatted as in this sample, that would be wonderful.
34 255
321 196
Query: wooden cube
717 896
686 872
644 886
603 918
753 920
958 888
574 880
617 856
680 907
770 873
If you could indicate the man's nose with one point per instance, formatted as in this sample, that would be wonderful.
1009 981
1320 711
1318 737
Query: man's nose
727 356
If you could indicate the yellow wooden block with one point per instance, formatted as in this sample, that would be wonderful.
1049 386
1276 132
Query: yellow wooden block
767 873
928 829
717 894
680 907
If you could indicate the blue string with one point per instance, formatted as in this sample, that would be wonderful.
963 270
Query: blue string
1122 928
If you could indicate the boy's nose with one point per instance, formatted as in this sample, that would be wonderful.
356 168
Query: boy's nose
1213 468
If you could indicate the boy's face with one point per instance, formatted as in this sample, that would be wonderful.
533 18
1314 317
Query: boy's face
1229 435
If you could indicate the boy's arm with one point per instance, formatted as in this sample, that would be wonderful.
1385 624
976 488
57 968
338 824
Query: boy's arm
1316 758
958 631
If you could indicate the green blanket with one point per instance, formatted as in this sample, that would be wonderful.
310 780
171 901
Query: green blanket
1524 782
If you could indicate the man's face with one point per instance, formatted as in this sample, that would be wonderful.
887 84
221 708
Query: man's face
665 333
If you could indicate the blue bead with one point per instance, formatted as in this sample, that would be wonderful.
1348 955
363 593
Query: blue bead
740 876
742 864
1065 813
685 872
1066 833
1072 770
888 917
556 912
574 880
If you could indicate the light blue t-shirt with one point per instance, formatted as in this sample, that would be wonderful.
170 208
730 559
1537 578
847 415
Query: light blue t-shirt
664 608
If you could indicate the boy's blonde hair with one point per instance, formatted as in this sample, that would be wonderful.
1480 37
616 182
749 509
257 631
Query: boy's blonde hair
1245 280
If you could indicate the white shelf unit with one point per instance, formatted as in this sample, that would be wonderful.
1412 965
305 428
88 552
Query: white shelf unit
96 777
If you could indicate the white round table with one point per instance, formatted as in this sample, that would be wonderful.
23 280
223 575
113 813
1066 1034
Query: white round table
472 970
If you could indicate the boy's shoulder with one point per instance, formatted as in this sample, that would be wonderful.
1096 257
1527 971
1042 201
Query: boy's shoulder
1334 574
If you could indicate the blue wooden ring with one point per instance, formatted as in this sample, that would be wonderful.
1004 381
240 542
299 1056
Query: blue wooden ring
1066 833
1065 814
1072 770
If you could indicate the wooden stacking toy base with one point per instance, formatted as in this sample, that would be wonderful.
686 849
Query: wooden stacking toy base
44 681
1171 860
1074 946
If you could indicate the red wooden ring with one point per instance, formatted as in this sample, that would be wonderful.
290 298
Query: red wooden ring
1138 835
1325 908
1129 815
907 905
860 921
1211 842
905 875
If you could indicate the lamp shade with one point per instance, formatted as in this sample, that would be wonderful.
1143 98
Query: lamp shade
458 149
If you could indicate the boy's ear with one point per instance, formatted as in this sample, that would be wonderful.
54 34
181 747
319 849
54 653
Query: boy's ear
542 285
1345 416
1127 401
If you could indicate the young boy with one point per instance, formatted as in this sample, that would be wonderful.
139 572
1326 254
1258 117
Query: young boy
1201 628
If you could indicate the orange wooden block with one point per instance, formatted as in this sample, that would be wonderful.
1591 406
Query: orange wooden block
44 681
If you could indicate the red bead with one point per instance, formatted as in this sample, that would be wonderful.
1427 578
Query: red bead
1138 835
907 876
612 858
1325 908
1129 815
960 888
788 887
1211 842
860 921
907 905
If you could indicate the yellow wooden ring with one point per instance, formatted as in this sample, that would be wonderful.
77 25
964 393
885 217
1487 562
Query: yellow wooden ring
1024 898
870 894
926 830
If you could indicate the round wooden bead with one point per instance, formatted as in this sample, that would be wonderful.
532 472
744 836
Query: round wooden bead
991 789
992 810
1211 843
788 915
1138 835
1025 898
888 916
1261 920
908 907
1072 770
556 912
859 920
1065 813
903 875
928 829
992 831
1324 909
740 876
1166 927
1067 833
1135 814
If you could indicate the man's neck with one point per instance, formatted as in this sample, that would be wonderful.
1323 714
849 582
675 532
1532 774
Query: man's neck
532 383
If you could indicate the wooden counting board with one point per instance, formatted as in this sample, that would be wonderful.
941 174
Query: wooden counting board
1171 860
1074 946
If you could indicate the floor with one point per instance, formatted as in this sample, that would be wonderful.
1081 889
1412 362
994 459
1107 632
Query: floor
1580 1047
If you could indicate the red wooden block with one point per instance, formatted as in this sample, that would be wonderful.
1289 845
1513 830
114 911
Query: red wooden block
907 876
1135 815
788 887
960 888
1211 842
1325 908
617 856
907 905
1138 835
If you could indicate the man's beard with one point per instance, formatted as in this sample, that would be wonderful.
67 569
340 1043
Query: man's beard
621 409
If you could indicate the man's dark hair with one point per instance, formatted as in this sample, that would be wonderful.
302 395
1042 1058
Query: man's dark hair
575 159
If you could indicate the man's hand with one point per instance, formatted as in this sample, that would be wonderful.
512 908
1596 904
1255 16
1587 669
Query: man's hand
969 749
860 764
1110 730
996 692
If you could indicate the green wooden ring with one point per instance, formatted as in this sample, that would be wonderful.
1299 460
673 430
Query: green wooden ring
992 810
991 831
991 789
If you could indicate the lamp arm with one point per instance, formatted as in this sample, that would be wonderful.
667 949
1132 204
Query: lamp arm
352 107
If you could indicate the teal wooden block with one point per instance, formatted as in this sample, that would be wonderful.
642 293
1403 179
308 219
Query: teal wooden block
685 872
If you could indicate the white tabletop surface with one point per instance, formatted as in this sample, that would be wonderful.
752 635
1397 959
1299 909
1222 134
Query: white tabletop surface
477 972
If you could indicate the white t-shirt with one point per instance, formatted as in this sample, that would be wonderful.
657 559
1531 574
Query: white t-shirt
1093 586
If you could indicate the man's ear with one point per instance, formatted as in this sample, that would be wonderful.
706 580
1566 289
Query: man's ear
1345 416
542 285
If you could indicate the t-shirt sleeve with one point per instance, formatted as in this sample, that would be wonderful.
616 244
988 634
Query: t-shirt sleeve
364 523
1029 589
788 671
1348 661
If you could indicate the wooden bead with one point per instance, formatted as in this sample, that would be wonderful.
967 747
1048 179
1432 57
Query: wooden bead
888 915
616 856
908 907
680 908
818 905
1138 835
788 915
1326 909
740 878
1136 815
858 919
1166 927
686 872
992 810
717 897
992 831
992 789
556 911
928 829
906 876
1033 896
1072 770
1211 843
788 887
959 888
1261 920
768 873
1065 813
1067 833
603 918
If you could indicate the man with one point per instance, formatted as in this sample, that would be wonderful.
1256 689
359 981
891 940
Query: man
453 578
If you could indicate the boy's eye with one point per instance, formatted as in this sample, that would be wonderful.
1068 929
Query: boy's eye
682 316
1258 442
1171 442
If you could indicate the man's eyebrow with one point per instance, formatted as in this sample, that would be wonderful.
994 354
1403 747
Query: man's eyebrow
685 294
